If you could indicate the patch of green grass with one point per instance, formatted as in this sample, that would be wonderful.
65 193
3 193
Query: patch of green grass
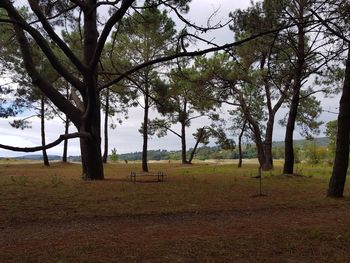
34 193
186 188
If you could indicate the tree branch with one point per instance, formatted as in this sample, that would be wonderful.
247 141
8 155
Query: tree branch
107 3
190 54
188 23
36 9
48 146
117 16
325 23
173 132
46 87
17 19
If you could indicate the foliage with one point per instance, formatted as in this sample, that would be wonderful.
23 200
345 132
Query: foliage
331 133
43 28
114 155
180 104
250 78
10 105
309 111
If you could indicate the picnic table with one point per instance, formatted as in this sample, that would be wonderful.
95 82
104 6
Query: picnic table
159 175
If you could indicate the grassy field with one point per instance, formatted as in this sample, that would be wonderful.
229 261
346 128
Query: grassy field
206 212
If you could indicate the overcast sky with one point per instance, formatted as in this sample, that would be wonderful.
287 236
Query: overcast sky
126 138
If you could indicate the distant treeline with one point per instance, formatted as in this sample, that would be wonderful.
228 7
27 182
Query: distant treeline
203 153
305 150
249 151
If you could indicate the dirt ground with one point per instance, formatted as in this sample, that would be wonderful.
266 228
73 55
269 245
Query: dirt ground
251 229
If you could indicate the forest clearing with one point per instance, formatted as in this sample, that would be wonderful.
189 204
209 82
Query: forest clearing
92 86
205 212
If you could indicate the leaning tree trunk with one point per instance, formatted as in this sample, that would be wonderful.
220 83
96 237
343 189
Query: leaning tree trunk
268 142
196 145
253 125
341 160
259 146
105 153
240 153
43 143
261 155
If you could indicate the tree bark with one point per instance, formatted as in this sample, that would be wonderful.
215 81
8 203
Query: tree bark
91 119
43 143
91 158
91 147
289 149
261 155
66 131
196 145
258 142
268 141
254 127
183 120
341 160
288 140
240 153
145 131
105 153
65 143
183 144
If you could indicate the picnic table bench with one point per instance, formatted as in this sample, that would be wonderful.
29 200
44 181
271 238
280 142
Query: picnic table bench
159 175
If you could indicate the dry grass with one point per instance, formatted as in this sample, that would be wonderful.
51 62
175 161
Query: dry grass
202 213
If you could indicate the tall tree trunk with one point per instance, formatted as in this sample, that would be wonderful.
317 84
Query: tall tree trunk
183 144
43 143
105 153
261 155
341 160
91 158
288 140
240 153
259 146
183 120
66 130
91 119
91 147
289 149
65 143
145 132
268 142
91 123
254 127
